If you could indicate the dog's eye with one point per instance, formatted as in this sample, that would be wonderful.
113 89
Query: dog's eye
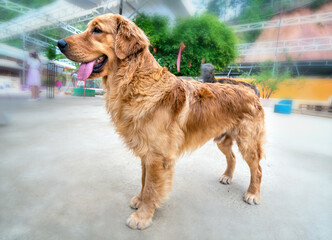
97 30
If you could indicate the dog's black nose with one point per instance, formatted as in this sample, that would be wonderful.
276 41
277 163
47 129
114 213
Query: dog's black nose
62 45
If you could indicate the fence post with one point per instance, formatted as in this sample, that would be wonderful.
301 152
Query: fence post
51 72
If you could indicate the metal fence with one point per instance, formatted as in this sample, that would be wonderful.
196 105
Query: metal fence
50 81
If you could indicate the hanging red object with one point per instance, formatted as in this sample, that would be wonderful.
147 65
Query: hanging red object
178 62
154 50
203 60
189 64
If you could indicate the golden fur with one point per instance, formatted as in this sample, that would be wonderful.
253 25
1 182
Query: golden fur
160 116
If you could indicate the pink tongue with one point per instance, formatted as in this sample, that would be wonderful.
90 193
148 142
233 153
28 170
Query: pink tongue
85 70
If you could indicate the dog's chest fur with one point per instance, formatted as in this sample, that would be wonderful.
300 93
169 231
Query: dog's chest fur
143 101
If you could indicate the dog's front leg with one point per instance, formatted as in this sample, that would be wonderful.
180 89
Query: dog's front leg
157 183
136 201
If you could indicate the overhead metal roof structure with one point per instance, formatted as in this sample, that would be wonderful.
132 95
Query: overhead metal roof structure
33 25
14 6
60 12
35 19
71 16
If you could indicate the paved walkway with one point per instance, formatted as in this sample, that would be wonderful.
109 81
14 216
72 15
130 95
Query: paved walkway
65 174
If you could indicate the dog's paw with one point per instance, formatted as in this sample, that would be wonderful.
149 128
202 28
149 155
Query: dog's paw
134 221
251 198
135 202
224 179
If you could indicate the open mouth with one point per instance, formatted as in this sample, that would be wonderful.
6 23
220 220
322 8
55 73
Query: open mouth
100 62
95 66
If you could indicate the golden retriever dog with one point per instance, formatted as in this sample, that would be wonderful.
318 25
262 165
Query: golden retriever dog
160 116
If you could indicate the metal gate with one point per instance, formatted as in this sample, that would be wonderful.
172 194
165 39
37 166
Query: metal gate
50 82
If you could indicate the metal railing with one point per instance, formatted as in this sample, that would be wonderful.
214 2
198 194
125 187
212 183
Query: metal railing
314 18
283 46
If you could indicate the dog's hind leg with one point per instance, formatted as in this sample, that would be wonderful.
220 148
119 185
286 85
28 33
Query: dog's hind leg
224 143
250 145
157 184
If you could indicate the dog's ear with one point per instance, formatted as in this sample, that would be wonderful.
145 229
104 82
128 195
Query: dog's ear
129 38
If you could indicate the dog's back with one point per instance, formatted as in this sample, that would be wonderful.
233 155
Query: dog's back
207 71
234 82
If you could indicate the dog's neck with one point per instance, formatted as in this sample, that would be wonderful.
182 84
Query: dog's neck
145 64
133 67
133 78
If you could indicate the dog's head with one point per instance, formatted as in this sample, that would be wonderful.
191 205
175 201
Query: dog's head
107 38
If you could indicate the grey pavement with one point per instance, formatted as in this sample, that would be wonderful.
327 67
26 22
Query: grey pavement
65 174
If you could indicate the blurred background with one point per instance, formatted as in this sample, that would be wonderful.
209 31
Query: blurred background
287 43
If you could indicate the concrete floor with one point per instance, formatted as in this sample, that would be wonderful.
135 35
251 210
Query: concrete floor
65 174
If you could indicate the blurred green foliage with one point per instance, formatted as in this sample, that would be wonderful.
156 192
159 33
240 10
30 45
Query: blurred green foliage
257 11
269 79
18 43
6 15
221 8
318 3
51 52
254 11
33 3
205 37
